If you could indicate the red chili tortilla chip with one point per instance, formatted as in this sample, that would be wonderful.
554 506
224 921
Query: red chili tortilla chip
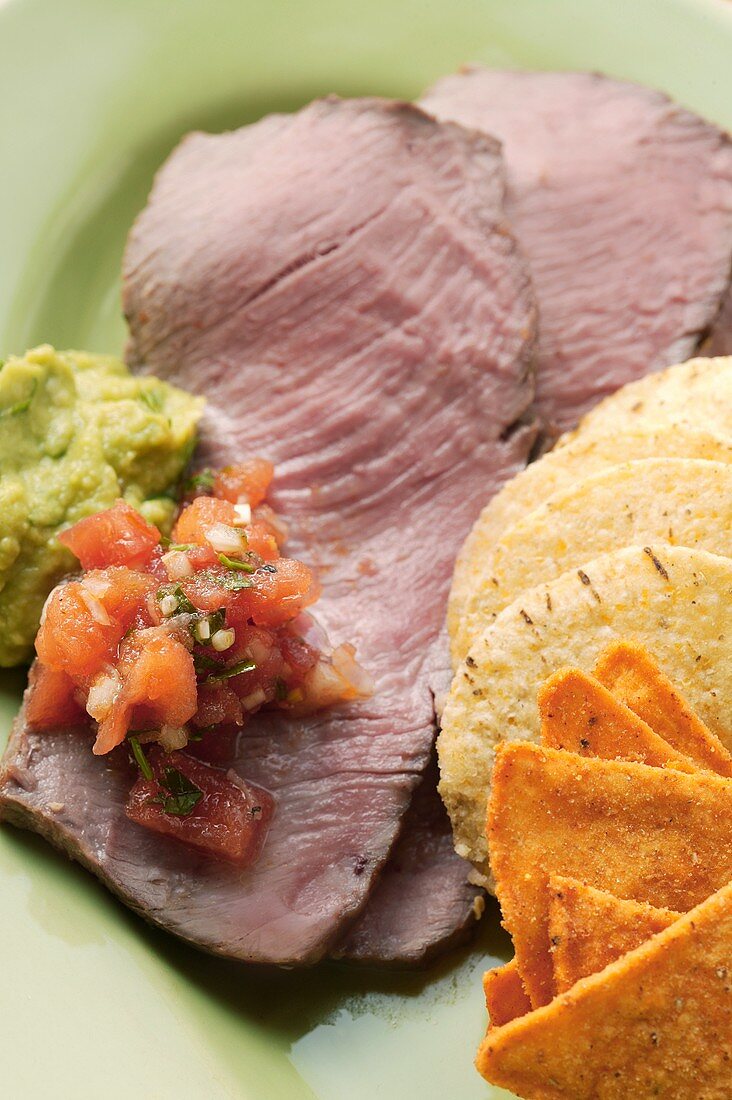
630 673
579 714
658 1022
650 834
590 928
505 996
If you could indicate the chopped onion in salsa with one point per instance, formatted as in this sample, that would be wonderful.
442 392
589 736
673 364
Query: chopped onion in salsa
176 646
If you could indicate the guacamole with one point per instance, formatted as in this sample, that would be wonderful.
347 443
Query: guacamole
77 432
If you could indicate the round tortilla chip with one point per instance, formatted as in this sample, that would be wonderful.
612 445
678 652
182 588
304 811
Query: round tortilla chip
572 459
698 391
682 501
672 600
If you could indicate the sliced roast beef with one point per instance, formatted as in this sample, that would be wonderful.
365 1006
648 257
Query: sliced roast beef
622 202
342 286
422 903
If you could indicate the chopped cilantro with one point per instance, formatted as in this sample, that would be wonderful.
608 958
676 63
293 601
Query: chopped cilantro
184 604
142 761
232 670
203 663
234 563
153 399
280 689
217 620
183 795
23 404
233 582
203 480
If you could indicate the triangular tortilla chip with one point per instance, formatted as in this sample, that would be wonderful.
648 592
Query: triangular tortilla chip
658 1022
578 714
650 834
505 996
589 928
631 674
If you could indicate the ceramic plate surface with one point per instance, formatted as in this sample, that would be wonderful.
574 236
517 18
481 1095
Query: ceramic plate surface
94 94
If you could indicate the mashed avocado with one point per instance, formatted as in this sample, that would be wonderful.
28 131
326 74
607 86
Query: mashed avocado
77 432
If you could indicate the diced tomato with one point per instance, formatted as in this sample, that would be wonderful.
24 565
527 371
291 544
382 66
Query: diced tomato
51 703
194 521
246 481
273 523
202 557
258 686
84 621
216 747
117 536
124 593
297 654
261 541
229 821
204 592
217 704
278 597
158 687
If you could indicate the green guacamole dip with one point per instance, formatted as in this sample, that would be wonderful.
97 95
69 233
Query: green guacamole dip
77 432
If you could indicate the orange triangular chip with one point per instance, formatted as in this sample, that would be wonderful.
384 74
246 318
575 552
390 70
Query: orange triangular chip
650 834
658 1022
505 996
590 928
579 714
633 677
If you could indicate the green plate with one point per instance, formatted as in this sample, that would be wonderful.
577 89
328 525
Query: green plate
94 95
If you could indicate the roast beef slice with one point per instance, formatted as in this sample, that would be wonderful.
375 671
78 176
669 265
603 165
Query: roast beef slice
341 284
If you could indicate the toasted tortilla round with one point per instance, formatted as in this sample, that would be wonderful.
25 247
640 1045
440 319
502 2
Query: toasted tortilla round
698 392
575 457
672 600
682 501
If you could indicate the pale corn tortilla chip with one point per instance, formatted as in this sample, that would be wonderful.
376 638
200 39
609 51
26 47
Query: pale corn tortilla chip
649 834
578 714
590 928
682 501
698 392
658 1022
631 674
558 470
673 601
505 996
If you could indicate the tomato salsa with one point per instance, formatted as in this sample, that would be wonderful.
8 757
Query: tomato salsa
172 646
